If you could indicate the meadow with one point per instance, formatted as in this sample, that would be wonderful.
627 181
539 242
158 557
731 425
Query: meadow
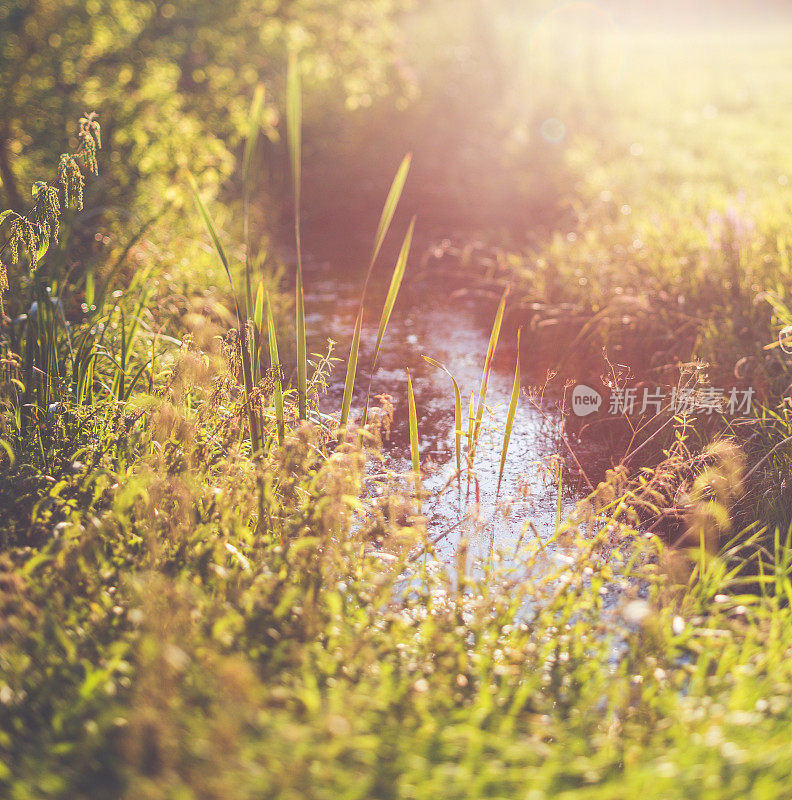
225 561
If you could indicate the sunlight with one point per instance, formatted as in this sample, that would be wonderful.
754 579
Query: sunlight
395 399
577 37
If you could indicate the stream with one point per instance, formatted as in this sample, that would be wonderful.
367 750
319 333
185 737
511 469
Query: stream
440 318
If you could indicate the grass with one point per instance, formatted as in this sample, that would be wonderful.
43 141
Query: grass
513 400
415 445
206 591
458 433
294 134
387 309
386 217
482 396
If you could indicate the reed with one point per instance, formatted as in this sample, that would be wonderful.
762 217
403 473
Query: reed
386 217
258 330
390 301
280 417
254 126
470 429
294 136
482 398
247 370
415 450
515 397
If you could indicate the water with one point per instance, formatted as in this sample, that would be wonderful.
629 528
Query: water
441 318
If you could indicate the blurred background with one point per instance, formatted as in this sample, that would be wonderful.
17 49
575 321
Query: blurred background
520 115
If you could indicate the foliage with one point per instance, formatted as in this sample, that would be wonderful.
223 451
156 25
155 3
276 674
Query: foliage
228 626
31 233
206 592
172 79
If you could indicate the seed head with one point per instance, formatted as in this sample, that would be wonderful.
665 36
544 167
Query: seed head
46 211
72 181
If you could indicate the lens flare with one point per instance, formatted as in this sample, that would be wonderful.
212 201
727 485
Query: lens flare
553 130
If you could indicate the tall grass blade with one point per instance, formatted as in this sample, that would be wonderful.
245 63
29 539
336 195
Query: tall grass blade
118 383
349 381
457 411
294 135
247 372
415 451
258 332
276 376
559 494
393 289
210 227
294 122
493 342
254 126
515 396
141 304
135 380
83 368
387 309
388 210
90 286
471 423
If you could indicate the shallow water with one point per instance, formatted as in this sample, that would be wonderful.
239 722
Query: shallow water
437 317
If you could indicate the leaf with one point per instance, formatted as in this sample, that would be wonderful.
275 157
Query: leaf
9 451
247 372
294 122
254 126
258 323
275 364
302 362
212 234
391 201
388 210
390 301
294 135
471 421
415 451
43 246
393 290
493 342
349 382
515 396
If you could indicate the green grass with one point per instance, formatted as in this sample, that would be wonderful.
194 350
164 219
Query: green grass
206 592
386 217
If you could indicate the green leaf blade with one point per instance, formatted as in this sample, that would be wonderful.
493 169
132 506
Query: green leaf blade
515 396
415 451
493 343
276 378
390 302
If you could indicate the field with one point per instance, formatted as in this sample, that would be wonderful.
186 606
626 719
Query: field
295 497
